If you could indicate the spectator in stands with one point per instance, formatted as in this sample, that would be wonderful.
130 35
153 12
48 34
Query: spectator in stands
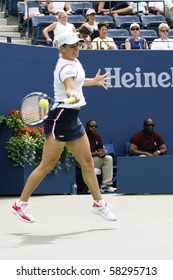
90 19
164 8
29 13
44 5
84 32
164 42
58 27
91 23
139 7
56 7
135 42
103 42
100 156
117 8
147 142
33 11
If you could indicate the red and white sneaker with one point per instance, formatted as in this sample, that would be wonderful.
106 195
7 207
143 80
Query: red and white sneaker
103 211
22 212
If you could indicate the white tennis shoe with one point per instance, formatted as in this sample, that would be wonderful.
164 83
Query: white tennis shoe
103 211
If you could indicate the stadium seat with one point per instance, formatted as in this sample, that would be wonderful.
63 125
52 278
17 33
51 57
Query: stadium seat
152 21
11 7
38 24
77 20
117 32
21 12
80 8
149 35
170 33
119 35
127 143
107 19
38 37
124 22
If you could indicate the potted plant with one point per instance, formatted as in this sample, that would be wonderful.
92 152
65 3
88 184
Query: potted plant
26 144
24 150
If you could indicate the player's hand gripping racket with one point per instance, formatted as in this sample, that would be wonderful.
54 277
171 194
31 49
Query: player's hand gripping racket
36 106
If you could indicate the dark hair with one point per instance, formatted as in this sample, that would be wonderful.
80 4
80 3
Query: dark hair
101 24
88 122
84 30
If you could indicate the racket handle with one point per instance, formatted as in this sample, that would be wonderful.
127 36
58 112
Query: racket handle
69 100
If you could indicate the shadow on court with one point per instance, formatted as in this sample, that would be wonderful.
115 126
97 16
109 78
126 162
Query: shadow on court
28 239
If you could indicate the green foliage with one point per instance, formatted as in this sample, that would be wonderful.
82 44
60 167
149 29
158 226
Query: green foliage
2 119
26 144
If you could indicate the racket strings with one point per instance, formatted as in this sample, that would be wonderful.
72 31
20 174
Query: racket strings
30 110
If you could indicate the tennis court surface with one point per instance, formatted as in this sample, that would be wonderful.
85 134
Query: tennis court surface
65 229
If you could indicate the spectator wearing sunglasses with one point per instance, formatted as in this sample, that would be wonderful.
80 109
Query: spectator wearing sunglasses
84 32
135 42
164 42
100 156
147 142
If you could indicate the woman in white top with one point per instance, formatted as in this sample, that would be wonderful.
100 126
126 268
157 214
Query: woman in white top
164 42
64 128
58 27
56 7
33 11
103 42
90 20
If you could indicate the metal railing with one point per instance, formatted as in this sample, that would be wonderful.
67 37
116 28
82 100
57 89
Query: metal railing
3 5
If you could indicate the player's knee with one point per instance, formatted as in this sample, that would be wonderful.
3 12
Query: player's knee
48 167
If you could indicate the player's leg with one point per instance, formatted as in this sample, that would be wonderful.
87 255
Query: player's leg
80 148
51 152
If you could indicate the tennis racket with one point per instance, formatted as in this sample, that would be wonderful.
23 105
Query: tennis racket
32 113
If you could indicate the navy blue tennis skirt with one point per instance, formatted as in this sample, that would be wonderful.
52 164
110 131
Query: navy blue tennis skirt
64 124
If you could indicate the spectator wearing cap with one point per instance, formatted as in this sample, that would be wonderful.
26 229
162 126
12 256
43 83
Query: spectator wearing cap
164 42
103 42
90 19
135 42
91 23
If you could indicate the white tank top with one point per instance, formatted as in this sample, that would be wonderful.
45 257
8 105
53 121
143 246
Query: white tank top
60 28
58 6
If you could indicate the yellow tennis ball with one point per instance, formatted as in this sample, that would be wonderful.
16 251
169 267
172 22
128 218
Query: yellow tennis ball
43 103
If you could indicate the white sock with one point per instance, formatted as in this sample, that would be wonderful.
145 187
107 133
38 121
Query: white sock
100 202
20 202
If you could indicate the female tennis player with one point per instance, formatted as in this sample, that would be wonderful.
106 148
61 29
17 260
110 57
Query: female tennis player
63 127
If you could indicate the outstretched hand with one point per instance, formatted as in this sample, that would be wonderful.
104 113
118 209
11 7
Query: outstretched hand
101 80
